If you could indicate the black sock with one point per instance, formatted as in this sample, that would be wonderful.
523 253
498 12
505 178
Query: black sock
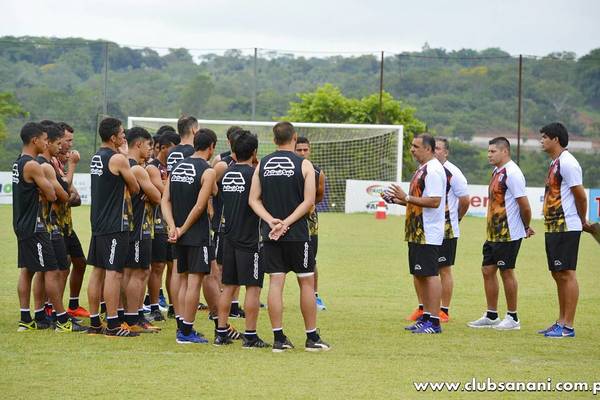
492 314
179 321
278 335
222 332
235 307
103 308
421 307
113 322
40 315
171 308
131 318
73 303
95 320
62 317
312 335
435 321
186 327
121 314
147 300
141 316
446 310
250 335
513 315
153 307
54 315
25 315
161 293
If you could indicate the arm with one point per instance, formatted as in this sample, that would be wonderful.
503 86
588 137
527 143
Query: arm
207 180
50 174
73 159
119 165
74 198
216 160
167 213
146 184
321 188
525 211
155 178
463 206
581 205
34 172
220 168
303 208
400 197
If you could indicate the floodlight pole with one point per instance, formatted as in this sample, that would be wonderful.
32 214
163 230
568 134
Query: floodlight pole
520 95
380 116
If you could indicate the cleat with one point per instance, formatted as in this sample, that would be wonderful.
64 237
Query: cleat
239 314
508 324
484 322
192 338
415 326
97 330
222 341
257 343
428 328
148 325
320 304
27 326
548 329
232 333
560 332
415 315
280 347
69 326
156 316
44 324
202 307
120 331
443 316
319 345
78 312
162 302
171 312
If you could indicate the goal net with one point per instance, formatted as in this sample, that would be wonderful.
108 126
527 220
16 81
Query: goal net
343 151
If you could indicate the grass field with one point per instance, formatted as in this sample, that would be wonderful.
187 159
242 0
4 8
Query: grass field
368 290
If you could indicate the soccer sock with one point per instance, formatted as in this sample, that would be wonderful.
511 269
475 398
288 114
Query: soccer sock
186 328
25 315
121 314
54 315
131 318
426 316
171 308
95 320
73 303
250 335
446 310
153 307
312 335
112 322
435 321
102 308
147 300
492 314
235 307
421 307
278 335
141 316
317 295
161 293
513 314
40 315
222 332
179 321
62 318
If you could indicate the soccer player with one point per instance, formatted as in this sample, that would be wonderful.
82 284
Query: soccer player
162 250
457 204
242 261
565 211
137 266
508 218
303 150
184 207
424 230
31 189
282 194
113 183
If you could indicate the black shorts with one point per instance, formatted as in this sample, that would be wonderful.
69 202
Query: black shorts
36 253
140 254
562 249
60 252
218 239
193 259
74 248
447 253
162 250
314 247
242 267
501 254
109 251
284 257
423 259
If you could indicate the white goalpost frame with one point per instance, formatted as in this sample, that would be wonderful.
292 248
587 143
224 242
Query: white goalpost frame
398 128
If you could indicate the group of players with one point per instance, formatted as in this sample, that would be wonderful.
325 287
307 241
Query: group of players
158 201
437 200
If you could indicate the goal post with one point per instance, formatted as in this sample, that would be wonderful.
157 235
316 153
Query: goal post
343 151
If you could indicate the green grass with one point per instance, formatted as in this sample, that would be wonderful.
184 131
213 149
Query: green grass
368 291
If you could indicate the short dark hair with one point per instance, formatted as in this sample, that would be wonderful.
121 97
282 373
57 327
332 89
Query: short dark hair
500 141
244 145
54 132
31 130
163 129
65 127
204 138
302 140
155 139
47 122
443 140
232 129
284 132
427 140
109 127
185 124
556 130
168 138
136 134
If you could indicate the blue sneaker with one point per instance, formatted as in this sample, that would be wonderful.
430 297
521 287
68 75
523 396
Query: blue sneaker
162 302
320 304
192 338
560 332
428 328
548 329
415 326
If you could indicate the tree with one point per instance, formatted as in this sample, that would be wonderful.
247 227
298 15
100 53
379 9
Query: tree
8 108
195 96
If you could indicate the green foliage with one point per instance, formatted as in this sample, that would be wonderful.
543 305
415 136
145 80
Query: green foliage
8 108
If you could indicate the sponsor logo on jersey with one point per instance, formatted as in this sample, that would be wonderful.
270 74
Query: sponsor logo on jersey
15 173
279 166
96 165
233 182
173 159
184 172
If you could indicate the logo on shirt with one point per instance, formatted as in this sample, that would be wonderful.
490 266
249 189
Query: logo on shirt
279 166
184 172
40 254
96 165
15 173
234 182
173 159
255 274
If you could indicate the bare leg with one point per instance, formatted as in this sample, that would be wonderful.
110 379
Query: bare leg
53 284
155 280
431 292
491 286
225 303
275 299
76 278
570 292
308 306
252 306
192 296
509 280
175 285
39 290
112 291
447 285
561 298
168 281
95 289
24 287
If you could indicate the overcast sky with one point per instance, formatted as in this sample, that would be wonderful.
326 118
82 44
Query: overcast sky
532 27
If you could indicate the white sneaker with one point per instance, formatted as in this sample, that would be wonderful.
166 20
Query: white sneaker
508 324
484 322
